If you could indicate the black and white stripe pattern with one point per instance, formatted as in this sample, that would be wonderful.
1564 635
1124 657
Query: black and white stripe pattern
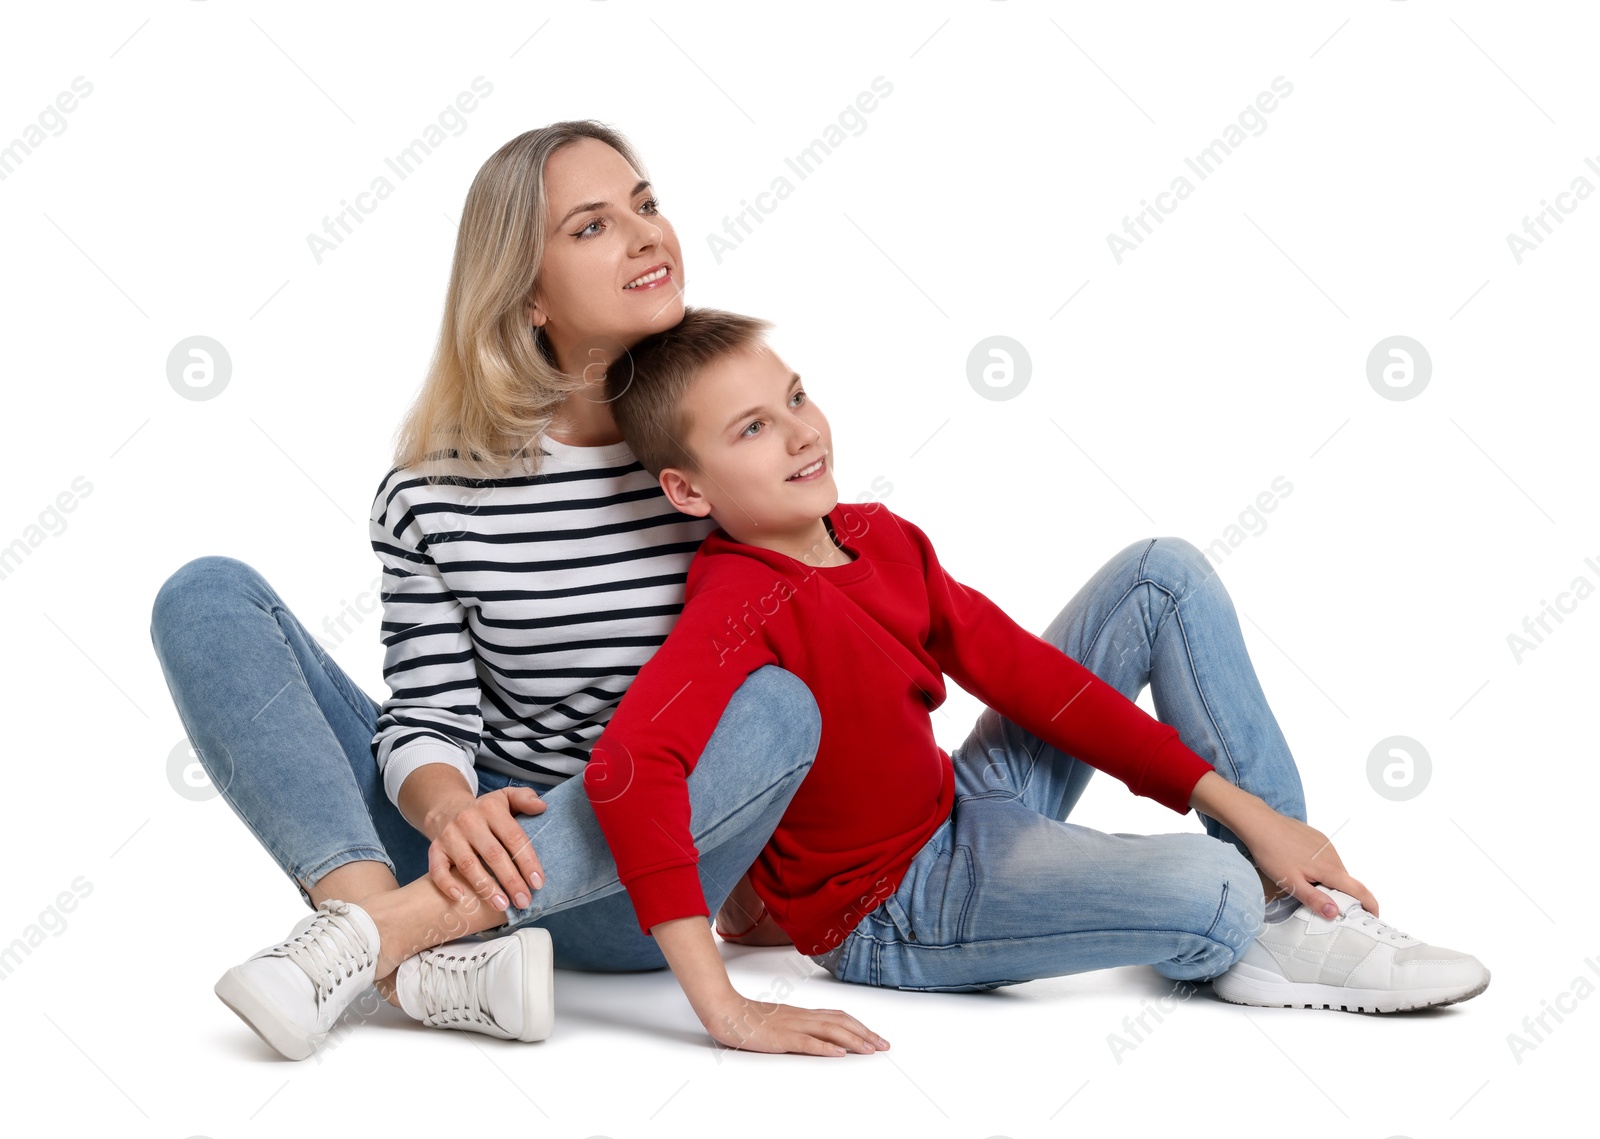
516 611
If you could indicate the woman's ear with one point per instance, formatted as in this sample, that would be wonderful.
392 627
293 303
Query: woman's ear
534 313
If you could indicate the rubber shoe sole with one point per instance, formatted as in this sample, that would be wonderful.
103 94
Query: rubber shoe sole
263 1017
1245 984
538 984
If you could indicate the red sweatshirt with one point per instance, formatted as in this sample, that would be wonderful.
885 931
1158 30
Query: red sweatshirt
870 640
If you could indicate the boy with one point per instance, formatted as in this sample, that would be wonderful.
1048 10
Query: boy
878 871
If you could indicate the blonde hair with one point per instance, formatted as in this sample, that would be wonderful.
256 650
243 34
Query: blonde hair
493 385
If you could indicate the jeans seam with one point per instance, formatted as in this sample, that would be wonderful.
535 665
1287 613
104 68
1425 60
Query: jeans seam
848 945
1183 633
1188 652
1221 906
1205 701
972 886
320 657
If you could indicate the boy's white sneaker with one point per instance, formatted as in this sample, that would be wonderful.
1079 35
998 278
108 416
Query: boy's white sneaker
1353 962
292 993
503 987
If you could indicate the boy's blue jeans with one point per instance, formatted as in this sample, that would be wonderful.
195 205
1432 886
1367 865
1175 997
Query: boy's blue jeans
1005 891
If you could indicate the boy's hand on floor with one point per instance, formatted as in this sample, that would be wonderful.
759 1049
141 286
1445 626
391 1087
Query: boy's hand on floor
739 1022
756 1027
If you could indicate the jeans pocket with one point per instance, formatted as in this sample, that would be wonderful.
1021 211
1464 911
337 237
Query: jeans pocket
896 913
931 906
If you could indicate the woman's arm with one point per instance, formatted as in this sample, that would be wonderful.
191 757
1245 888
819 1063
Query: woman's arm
1287 852
738 1022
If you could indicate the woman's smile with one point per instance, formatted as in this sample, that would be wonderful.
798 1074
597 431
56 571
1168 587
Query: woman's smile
655 277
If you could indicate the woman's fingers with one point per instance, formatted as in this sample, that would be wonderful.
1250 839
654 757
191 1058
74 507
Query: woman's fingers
525 800
514 840
462 851
509 886
490 850
439 873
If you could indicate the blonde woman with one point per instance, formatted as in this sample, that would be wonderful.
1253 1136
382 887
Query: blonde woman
525 580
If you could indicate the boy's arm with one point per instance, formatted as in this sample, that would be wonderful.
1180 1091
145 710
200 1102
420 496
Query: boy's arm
739 1022
637 784
636 777
1036 685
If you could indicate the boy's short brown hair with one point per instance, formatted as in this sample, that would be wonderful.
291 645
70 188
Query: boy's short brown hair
646 385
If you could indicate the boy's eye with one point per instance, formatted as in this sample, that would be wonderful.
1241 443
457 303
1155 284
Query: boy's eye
798 394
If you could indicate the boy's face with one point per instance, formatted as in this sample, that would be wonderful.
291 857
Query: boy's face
753 428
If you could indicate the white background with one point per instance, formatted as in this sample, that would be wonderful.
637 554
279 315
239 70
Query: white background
1167 392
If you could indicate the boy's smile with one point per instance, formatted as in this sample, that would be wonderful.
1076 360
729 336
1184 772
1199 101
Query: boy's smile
765 455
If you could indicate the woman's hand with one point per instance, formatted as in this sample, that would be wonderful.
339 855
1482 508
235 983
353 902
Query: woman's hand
739 1022
1294 855
483 841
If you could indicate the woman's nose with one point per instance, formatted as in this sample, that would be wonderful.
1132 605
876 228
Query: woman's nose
645 233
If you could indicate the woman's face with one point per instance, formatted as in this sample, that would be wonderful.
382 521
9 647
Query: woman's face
605 235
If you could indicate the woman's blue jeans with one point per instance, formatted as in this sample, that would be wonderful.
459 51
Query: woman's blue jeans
286 737
1005 891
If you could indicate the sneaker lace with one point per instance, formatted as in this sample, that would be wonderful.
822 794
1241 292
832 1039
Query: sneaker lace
1376 925
330 951
454 989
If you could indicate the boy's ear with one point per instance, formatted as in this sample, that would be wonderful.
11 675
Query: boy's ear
683 494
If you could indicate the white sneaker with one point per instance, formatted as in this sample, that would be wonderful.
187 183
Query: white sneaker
502 987
1354 963
293 992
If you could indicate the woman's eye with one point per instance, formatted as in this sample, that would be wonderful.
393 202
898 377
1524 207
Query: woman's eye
798 395
584 232
651 204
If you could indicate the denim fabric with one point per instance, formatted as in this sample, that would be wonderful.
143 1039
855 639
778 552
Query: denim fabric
286 737
1007 891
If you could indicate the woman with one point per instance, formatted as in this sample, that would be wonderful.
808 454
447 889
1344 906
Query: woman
530 567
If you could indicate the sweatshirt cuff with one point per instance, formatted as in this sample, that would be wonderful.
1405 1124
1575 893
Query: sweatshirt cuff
671 892
1171 774
419 753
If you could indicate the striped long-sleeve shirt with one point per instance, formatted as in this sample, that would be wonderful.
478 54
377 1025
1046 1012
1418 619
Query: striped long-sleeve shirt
517 610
